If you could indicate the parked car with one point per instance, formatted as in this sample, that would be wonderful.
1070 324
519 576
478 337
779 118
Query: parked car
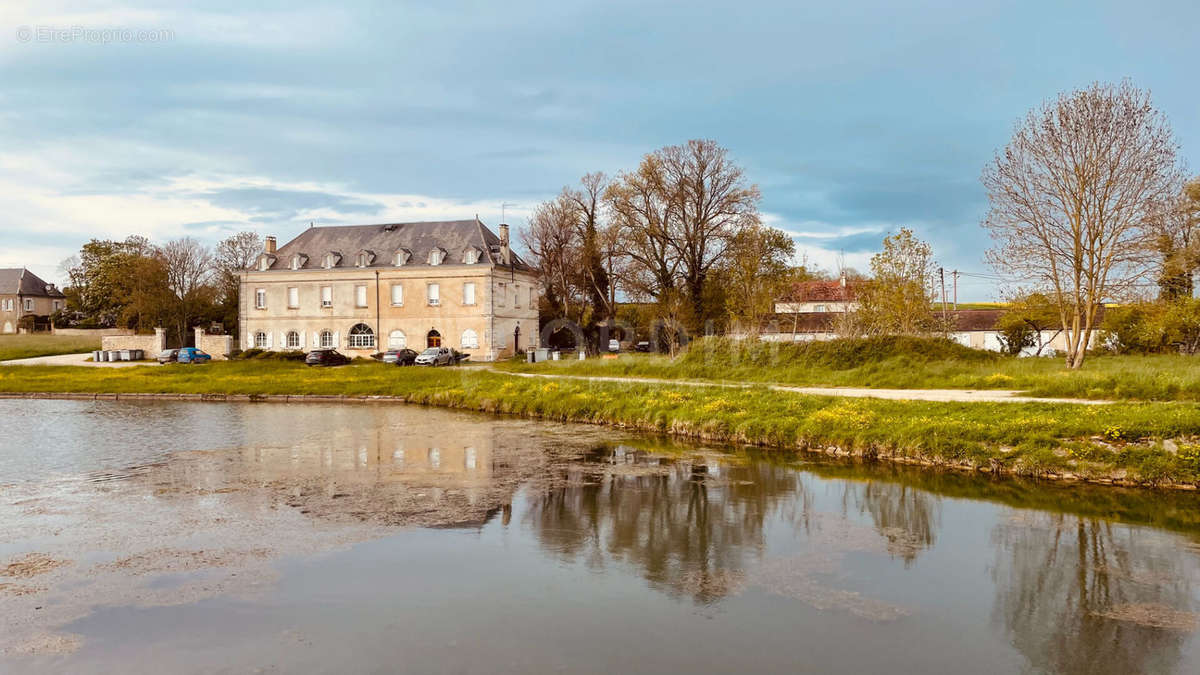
435 356
169 356
459 357
326 357
192 355
642 346
614 345
400 357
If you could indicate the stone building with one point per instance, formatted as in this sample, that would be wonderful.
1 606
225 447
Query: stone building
366 288
23 293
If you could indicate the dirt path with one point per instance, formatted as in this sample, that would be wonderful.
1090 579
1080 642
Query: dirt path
941 395
73 360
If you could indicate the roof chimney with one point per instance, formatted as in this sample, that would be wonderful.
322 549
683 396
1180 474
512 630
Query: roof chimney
270 245
505 249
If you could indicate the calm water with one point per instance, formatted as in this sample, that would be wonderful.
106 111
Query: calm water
311 538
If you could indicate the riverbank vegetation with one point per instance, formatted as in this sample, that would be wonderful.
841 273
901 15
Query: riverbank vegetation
900 362
44 344
1141 442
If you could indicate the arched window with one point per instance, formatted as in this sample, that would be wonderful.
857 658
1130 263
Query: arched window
433 339
330 261
260 340
293 340
470 339
402 257
436 256
362 337
362 260
296 262
327 340
397 340
263 263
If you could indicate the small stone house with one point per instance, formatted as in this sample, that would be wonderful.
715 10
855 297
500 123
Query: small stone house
821 297
23 293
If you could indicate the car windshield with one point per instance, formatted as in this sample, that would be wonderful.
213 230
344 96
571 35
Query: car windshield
432 351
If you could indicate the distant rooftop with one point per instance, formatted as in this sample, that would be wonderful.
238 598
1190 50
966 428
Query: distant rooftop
20 281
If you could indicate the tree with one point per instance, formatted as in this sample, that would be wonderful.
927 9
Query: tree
100 279
554 251
1026 320
677 213
596 254
232 256
1176 236
757 270
898 300
1072 196
189 266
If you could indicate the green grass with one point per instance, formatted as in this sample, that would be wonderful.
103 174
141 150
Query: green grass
29 346
902 363
1032 438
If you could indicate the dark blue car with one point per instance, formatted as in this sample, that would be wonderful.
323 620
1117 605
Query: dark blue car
192 355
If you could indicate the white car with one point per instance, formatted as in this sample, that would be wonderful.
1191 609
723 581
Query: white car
614 345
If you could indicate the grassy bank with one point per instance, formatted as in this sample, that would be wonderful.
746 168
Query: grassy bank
1096 442
29 346
903 363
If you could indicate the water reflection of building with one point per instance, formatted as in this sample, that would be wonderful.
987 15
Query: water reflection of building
376 464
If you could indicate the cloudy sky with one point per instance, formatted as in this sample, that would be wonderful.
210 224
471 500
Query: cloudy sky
854 118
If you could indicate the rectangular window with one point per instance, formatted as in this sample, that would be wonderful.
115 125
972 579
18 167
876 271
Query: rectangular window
28 304
516 296
434 292
360 296
293 297
397 295
8 304
532 297
469 293
501 290
260 298
327 296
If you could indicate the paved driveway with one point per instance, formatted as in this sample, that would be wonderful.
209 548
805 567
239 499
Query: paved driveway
74 360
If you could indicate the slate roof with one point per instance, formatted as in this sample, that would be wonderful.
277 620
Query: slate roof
455 237
20 281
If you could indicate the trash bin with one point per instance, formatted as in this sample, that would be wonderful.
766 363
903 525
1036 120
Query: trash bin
112 355
126 355
138 354
531 356
96 356
582 354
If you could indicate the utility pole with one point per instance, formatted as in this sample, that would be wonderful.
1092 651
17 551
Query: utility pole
955 275
942 276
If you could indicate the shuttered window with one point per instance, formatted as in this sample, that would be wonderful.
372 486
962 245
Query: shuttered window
397 295
360 296
469 293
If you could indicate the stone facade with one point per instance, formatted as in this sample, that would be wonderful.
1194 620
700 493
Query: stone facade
217 346
153 345
419 285
22 293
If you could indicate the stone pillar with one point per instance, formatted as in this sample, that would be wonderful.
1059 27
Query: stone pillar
160 337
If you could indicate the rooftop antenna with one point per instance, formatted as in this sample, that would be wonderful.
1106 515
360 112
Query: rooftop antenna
503 210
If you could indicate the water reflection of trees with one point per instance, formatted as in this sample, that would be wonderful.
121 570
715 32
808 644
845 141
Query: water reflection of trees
688 524
908 518
1058 579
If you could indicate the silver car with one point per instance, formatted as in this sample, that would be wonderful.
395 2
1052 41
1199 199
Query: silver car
435 356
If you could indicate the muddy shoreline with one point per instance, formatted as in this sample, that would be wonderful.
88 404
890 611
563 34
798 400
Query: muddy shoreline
1117 478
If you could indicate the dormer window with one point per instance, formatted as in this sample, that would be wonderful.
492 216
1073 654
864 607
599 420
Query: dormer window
331 260
364 258
471 256
401 257
263 263
298 261
437 256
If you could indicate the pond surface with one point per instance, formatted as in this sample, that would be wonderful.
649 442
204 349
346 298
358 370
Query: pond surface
186 537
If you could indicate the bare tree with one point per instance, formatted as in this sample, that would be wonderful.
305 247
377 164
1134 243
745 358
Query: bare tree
553 248
1072 196
234 255
189 266
1176 235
